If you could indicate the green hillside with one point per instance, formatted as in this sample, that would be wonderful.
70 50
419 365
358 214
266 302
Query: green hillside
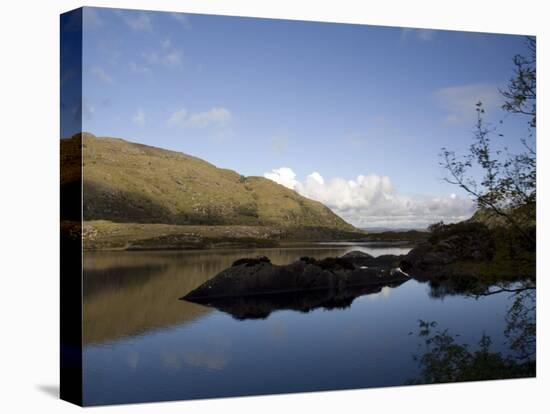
125 182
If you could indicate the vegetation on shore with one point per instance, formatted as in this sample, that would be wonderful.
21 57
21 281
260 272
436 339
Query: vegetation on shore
469 257
107 235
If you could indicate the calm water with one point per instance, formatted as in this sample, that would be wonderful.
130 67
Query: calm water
143 344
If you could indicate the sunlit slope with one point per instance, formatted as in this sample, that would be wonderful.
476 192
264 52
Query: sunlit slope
132 183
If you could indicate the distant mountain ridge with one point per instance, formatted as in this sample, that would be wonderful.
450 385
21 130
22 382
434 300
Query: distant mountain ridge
127 182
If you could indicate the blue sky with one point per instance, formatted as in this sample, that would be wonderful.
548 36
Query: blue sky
351 115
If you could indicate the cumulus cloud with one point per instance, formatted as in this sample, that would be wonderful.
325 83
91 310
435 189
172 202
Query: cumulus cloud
178 118
217 116
138 22
371 200
182 18
91 18
170 58
100 74
460 101
214 116
173 59
284 176
139 118
139 68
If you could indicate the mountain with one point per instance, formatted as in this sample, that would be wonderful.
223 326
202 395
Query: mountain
125 182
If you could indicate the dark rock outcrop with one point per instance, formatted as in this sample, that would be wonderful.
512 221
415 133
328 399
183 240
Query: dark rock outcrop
459 242
248 277
253 287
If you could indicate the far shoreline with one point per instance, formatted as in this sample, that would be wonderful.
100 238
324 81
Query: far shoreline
103 235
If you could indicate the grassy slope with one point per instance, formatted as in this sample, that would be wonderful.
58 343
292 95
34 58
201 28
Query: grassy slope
127 182
146 197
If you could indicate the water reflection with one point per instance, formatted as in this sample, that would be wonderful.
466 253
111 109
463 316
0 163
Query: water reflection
262 305
446 359
131 293
143 344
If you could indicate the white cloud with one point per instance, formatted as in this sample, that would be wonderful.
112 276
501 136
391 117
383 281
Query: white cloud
87 109
214 116
166 43
316 178
100 74
182 18
139 22
139 118
173 59
459 101
424 35
284 176
178 118
139 68
371 200
217 116
91 19
168 58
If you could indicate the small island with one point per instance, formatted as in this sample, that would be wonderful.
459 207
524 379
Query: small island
461 258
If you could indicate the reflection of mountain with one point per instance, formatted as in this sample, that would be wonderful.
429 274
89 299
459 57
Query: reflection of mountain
130 293
261 306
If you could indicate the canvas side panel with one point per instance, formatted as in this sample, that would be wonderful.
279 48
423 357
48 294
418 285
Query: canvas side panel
71 206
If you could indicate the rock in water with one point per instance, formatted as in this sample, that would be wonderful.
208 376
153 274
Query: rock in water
248 277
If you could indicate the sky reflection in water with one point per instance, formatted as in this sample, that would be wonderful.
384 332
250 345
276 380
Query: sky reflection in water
143 344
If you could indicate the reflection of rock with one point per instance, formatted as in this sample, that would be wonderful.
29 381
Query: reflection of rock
253 288
260 306
129 293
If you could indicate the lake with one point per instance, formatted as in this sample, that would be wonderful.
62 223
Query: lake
141 343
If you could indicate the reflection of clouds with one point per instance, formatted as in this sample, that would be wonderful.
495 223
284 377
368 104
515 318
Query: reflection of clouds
133 359
171 360
214 361
383 294
277 330
213 355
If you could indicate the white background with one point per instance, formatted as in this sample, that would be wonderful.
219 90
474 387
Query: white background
29 125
